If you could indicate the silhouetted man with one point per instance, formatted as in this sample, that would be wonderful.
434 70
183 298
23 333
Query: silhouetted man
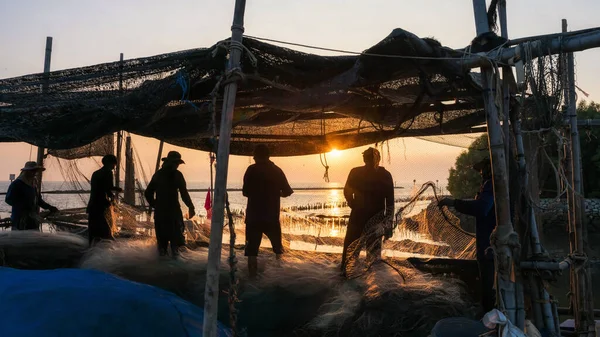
167 183
264 185
25 199
100 206
482 208
369 192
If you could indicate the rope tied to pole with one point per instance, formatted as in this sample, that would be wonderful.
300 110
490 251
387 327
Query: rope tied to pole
228 45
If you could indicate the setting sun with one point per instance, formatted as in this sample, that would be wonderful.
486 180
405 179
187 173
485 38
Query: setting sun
335 153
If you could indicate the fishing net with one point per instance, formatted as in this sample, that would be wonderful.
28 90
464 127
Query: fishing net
433 232
98 148
303 295
293 102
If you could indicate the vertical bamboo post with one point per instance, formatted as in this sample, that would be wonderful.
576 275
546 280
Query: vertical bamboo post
211 293
505 90
41 150
584 308
129 195
506 73
159 156
119 133
503 236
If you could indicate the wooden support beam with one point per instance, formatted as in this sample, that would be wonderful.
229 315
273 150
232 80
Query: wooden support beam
504 235
129 195
41 150
211 293
558 44
581 282
119 133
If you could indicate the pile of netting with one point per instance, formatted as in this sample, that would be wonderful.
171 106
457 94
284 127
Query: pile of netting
303 295
295 103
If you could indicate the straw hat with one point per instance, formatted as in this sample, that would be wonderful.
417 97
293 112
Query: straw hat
173 157
32 166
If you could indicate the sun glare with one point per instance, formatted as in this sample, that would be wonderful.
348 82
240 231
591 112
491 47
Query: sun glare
335 153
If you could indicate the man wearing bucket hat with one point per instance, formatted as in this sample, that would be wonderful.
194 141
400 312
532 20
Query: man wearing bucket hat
369 192
25 199
162 194
482 208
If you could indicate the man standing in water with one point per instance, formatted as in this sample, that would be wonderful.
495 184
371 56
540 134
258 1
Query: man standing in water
482 208
167 183
264 185
100 206
25 199
369 192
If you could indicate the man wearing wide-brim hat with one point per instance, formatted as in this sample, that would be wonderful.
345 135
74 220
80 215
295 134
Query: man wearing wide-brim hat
482 208
25 199
162 194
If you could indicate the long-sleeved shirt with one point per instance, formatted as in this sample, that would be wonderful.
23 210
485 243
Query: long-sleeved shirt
163 192
482 208
25 200
102 186
264 185
369 191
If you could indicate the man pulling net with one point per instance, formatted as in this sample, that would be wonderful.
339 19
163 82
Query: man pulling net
369 192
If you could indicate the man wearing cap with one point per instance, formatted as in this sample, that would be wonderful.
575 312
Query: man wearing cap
264 185
25 199
167 183
482 208
99 209
369 192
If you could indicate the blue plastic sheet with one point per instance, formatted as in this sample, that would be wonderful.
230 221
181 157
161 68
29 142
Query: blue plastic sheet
77 302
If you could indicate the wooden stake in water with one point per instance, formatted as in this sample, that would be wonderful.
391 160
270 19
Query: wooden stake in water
41 150
211 293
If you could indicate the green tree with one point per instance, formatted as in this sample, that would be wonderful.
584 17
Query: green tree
590 149
463 181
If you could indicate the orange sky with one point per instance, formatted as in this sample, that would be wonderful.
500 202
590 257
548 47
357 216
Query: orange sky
91 32
409 159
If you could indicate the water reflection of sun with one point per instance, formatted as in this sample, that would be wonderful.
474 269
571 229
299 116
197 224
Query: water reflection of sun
335 199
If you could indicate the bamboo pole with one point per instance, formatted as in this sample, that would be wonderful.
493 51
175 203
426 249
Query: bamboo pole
556 45
506 73
159 156
503 236
506 70
119 133
41 150
129 195
211 293
584 308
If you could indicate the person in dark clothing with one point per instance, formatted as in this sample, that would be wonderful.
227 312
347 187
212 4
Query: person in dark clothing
100 206
369 192
26 200
482 208
264 185
167 183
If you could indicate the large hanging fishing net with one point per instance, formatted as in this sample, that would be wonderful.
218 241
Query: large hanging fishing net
296 103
